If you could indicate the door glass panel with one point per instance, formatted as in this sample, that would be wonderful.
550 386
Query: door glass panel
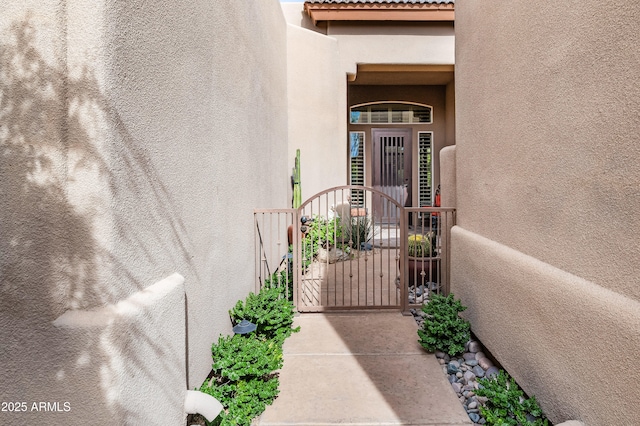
379 115
393 161
390 112
392 167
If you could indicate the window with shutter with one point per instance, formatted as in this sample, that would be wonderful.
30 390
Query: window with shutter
391 113
424 168
356 170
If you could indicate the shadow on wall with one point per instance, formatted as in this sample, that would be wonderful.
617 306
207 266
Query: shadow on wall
57 192
47 247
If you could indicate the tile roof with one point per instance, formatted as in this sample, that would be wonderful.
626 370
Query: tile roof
384 1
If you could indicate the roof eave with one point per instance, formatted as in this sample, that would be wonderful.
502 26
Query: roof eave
379 12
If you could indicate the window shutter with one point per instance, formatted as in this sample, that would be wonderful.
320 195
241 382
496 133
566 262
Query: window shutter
424 168
356 171
390 113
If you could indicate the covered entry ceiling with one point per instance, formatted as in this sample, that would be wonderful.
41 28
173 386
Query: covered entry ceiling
391 74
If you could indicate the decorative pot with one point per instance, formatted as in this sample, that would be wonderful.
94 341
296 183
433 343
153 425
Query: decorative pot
419 265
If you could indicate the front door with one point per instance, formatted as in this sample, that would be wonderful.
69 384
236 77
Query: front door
392 167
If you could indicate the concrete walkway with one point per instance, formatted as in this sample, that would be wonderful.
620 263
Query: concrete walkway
361 369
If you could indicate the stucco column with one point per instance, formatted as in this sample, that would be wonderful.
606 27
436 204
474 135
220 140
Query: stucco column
448 176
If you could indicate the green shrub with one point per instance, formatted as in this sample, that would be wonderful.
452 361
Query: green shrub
243 400
321 232
443 328
242 377
269 310
506 404
242 374
236 357
282 280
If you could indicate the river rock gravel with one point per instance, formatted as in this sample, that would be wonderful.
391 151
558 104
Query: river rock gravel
463 372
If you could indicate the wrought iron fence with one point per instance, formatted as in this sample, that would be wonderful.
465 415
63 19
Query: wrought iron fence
333 255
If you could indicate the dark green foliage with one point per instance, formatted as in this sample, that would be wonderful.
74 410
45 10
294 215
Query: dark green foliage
320 233
269 310
242 375
507 405
237 357
443 328
243 400
282 280
242 378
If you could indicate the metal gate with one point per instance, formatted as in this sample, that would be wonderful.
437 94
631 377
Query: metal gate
341 251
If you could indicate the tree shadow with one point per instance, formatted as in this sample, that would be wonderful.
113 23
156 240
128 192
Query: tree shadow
47 246
64 243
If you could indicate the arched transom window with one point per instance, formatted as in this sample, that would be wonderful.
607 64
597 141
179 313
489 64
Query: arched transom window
391 113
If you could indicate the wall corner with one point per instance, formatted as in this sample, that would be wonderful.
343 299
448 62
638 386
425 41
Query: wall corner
448 176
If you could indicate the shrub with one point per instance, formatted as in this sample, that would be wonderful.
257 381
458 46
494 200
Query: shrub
236 357
243 400
282 280
241 377
242 374
506 404
443 328
321 232
269 310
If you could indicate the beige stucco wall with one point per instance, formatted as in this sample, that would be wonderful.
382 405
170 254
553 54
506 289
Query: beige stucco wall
317 101
390 43
450 113
294 14
548 191
448 176
136 140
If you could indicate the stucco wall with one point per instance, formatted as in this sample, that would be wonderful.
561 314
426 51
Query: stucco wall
136 140
450 112
390 43
294 14
547 153
448 176
317 105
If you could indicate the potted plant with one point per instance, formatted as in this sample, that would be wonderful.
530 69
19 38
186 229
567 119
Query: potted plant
422 259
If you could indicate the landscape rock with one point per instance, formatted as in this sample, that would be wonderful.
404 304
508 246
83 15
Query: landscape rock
463 372
491 371
468 356
469 376
478 371
485 363
474 346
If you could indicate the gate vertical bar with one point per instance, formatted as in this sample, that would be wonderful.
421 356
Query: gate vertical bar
296 261
404 290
